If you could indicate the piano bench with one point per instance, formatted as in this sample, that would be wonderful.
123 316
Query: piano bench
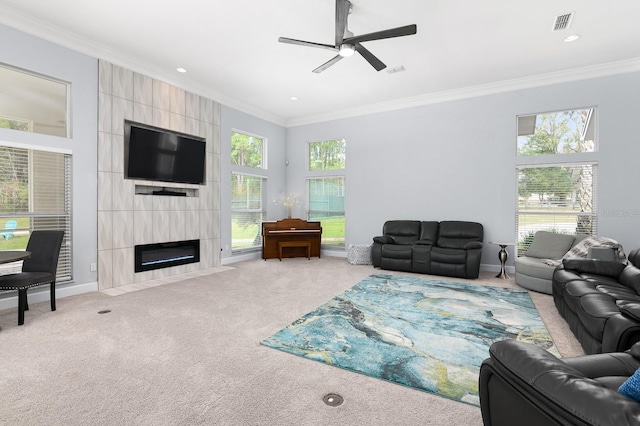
284 244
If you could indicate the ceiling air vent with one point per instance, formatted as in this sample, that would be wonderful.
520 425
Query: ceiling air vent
563 21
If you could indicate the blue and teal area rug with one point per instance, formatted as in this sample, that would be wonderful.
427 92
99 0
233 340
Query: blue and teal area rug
425 334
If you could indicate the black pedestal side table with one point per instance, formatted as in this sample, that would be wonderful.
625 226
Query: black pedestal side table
502 256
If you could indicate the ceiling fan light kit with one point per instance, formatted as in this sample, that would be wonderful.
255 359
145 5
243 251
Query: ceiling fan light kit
346 44
347 50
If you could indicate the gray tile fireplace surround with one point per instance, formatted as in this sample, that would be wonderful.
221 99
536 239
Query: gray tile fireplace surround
127 216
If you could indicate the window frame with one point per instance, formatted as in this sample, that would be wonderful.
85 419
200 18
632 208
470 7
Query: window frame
327 174
65 263
561 159
251 172
41 93
263 154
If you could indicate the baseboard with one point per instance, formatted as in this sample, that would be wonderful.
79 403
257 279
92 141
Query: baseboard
496 268
241 257
41 294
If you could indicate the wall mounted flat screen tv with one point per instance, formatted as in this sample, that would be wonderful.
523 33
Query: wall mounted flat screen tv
151 153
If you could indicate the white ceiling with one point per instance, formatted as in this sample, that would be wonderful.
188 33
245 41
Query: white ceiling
231 52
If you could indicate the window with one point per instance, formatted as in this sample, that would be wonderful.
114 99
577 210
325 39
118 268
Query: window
326 189
247 212
561 194
561 132
247 150
33 103
327 155
326 204
35 194
248 190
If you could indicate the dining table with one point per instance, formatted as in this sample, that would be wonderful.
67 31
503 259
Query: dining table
8 256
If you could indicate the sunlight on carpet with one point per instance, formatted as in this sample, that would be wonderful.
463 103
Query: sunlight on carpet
425 334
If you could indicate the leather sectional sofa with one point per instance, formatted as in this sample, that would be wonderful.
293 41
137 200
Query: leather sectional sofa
523 384
600 300
450 248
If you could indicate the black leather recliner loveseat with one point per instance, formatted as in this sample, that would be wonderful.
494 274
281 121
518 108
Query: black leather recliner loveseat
600 300
450 248
523 384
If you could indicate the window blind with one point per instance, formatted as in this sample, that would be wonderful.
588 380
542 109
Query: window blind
247 211
35 194
326 197
559 198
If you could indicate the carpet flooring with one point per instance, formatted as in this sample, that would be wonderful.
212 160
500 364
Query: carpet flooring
188 353
430 335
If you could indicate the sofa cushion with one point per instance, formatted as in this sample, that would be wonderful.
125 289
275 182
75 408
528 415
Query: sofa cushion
618 292
595 310
429 231
630 277
631 310
402 231
455 234
597 267
396 251
549 245
574 290
533 267
445 255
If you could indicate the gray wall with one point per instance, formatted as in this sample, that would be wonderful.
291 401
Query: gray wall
456 160
276 137
452 160
34 54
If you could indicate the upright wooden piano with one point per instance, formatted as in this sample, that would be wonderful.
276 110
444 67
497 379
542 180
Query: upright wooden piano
291 238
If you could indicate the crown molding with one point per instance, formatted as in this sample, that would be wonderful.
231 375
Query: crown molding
52 33
27 24
565 76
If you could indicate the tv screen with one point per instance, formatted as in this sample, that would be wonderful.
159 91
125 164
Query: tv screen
162 155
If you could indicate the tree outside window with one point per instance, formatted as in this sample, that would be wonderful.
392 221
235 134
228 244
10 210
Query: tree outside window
327 155
247 190
558 196
326 191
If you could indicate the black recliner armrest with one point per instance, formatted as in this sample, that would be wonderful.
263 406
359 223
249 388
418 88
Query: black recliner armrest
384 239
565 393
472 245
605 268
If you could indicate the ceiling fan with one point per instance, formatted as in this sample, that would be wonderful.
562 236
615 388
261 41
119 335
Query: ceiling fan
347 44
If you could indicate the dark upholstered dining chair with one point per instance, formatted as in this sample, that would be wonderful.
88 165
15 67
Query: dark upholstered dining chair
39 269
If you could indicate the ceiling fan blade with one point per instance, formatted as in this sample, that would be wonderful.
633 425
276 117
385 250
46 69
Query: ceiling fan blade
370 57
379 35
306 43
327 64
342 12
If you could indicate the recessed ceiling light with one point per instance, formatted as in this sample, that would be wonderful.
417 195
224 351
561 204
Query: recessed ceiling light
293 98
181 70
571 38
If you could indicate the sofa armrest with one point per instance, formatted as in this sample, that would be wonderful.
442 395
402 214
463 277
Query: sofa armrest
559 389
384 239
591 266
425 242
472 245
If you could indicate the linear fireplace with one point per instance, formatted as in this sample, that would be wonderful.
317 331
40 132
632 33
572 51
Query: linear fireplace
164 255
